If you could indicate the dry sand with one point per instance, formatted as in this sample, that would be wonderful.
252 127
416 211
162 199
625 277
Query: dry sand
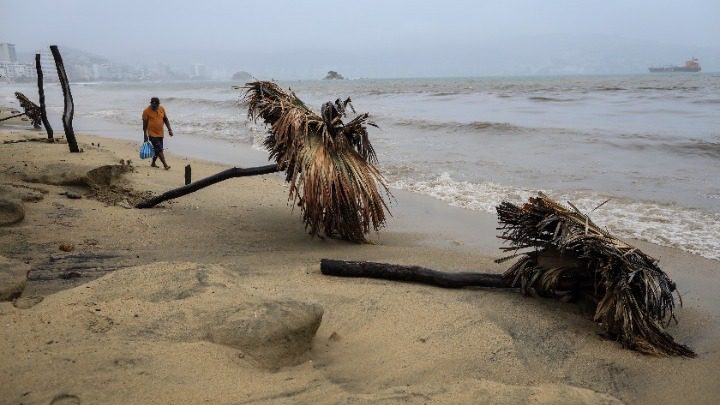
144 332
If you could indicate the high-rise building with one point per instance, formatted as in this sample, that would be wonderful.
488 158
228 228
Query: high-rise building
7 53
199 71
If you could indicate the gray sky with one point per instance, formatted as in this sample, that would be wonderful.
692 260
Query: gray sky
374 37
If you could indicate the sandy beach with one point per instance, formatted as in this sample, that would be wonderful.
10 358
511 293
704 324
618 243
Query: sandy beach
166 305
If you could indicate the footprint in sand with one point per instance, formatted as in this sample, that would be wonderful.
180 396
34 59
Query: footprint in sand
100 324
27 302
65 399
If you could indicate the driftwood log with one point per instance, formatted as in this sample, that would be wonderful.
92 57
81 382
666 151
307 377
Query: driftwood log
12 116
41 94
69 106
32 110
207 181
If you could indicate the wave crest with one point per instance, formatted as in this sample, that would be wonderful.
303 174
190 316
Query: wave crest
451 126
692 230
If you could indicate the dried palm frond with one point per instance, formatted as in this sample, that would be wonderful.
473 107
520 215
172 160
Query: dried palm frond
573 257
329 164
32 110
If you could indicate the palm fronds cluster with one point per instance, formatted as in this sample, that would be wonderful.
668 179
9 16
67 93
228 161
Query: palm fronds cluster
32 110
329 164
575 258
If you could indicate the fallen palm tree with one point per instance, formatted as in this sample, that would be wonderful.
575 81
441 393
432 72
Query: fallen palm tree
31 109
571 258
329 164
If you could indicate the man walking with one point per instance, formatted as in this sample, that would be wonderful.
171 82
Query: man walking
154 117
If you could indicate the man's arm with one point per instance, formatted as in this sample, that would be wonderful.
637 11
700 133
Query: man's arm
167 123
145 125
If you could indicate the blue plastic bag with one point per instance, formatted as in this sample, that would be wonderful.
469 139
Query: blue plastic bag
146 150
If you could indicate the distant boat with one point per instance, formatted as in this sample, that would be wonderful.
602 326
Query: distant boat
693 65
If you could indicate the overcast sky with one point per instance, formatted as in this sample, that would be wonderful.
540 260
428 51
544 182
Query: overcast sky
361 31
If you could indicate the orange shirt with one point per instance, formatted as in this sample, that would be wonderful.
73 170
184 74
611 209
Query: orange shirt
155 121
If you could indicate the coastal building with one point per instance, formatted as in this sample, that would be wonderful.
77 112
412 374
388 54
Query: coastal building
10 69
7 53
200 71
17 71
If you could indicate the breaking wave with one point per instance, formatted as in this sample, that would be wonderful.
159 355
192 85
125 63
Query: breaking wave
475 126
551 99
692 230
202 102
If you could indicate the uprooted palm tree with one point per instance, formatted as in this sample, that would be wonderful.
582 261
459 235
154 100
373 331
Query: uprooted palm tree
32 110
329 164
634 296
571 258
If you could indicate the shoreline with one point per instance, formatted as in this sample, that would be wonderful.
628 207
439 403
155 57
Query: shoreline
463 221
131 335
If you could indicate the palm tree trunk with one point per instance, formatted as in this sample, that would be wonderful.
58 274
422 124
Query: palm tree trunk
41 92
414 274
207 181
69 109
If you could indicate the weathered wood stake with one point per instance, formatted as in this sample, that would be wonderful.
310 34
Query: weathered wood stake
188 175
41 92
69 108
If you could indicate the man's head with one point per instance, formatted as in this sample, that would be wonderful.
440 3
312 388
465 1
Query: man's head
154 103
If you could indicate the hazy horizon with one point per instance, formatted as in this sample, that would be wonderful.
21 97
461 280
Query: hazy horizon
286 40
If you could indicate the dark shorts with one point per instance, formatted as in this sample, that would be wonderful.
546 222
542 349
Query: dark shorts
157 144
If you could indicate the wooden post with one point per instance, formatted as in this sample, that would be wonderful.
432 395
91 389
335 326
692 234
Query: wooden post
188 175
41 91
69 108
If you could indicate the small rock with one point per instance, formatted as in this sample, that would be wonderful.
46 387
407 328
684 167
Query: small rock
11 211
67 247
334 337
125 204
13 275
72 195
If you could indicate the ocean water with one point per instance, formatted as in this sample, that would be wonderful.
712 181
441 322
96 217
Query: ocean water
648 143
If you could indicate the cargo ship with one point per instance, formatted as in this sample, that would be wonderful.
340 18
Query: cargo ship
693 65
